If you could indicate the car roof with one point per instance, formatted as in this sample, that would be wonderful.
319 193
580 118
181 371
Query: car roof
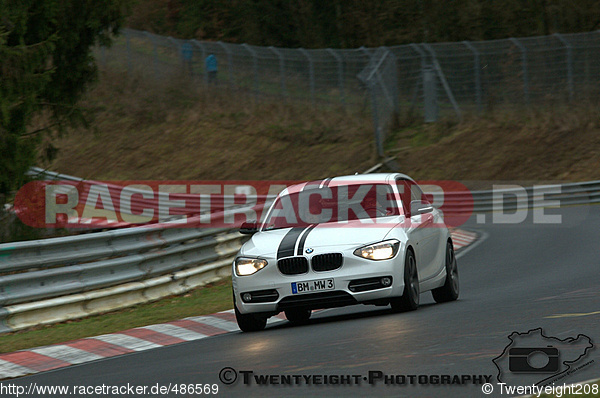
348 179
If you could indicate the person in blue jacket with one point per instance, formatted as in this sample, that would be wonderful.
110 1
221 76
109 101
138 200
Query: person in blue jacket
211 68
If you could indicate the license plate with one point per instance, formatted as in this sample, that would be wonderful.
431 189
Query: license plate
312 286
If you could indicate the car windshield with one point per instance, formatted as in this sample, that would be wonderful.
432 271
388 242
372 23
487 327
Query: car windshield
339 203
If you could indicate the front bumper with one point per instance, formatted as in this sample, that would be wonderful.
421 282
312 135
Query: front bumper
356 281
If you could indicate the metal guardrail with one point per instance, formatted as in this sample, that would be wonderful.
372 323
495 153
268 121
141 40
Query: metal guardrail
109 259
139 200
51 280
516 198
58 267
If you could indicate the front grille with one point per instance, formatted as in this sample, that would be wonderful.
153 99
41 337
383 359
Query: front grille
327 262
315 301
293 265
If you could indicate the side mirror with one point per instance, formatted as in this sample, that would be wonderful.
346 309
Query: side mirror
249 228
418 207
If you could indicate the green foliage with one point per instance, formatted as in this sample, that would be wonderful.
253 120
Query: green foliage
46 65
355 23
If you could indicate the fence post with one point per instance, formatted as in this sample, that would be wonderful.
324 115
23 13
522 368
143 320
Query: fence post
202 67
393 93
281 69
421 53
569 63
477 73
229 63
442 77
430 95
103 55
378 132
178 49
255 63
128 51
419 81
311 75
154 53
524 62
340 74
364 50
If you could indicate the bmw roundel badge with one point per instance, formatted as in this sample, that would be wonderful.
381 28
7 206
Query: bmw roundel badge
309 250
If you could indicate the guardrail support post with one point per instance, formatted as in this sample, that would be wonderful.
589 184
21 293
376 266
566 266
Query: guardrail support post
524 62
477 73
569 63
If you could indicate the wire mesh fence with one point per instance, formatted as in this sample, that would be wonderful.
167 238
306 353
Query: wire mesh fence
381 78
470 76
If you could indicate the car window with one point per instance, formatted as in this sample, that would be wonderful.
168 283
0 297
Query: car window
339 203
409 191
416 193
405 194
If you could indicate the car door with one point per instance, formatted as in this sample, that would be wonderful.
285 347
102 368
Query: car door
424 232
414 230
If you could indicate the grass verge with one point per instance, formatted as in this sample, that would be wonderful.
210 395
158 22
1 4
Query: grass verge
174 130
178 130
209 299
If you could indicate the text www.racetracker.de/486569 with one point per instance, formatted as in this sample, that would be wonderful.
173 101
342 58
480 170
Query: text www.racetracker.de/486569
33 389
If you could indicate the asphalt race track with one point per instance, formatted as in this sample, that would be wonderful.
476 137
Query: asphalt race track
516 278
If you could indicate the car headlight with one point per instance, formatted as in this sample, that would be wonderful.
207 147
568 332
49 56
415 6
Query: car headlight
247 266
379 251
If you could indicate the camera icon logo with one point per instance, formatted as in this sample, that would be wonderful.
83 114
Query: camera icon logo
533 359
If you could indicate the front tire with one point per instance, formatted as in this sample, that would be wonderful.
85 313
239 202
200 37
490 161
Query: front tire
249 322
298 316
409 301
451 288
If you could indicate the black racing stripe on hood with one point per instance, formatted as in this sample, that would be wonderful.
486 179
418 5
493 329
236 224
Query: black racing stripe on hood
303 239
288 243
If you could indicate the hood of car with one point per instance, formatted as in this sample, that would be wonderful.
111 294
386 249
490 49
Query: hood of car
288 242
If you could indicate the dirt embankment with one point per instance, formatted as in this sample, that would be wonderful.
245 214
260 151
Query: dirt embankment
149 131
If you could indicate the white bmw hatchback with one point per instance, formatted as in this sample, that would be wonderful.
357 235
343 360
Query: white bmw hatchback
368 239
